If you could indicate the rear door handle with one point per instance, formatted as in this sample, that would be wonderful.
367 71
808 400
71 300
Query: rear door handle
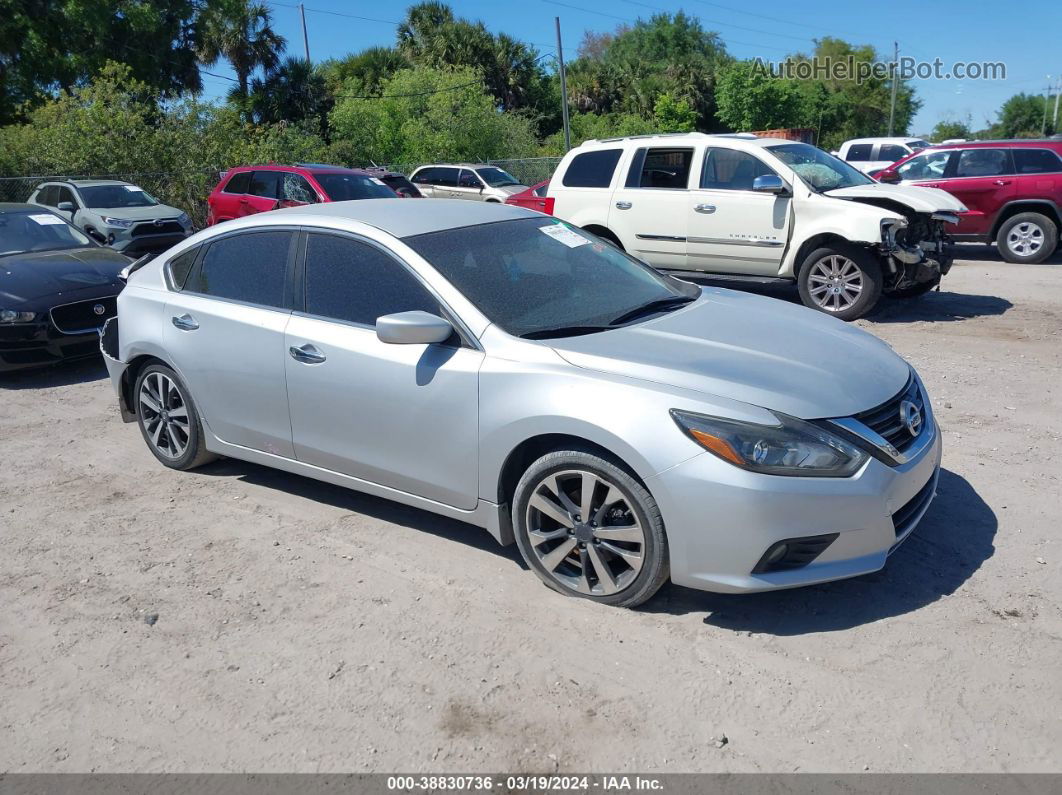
623 205
704 208
185 322
1001 182
307 354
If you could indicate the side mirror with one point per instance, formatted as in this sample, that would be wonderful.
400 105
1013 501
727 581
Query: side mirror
66 207
769 183
889 176
413 328
99 237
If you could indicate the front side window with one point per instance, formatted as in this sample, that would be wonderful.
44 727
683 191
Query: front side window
357 282
592 169
496 177
468 180
892 152
1036 161
239 183
730 169
264 184
295 188
982 163
859 152
424 176
48 195
930 165
250 267
37 231
537 276
65 195
817 169
104 197
662 168
342 187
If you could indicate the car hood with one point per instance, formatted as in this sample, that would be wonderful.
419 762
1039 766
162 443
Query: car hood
509 190
756 350
25 277
919 199
137 213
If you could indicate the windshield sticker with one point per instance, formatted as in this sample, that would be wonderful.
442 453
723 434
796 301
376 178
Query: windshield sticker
563 234
133 188
45 219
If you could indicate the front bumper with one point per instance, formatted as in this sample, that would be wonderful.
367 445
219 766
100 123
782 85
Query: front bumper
25 346
147 243
720 519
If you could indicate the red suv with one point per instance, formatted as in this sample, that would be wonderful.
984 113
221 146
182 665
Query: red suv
1012 191
246 190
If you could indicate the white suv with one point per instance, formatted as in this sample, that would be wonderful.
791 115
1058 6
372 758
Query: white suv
759 209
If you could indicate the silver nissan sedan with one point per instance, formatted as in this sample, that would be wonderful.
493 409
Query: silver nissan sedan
494 365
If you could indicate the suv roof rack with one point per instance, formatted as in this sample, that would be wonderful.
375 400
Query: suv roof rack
742 135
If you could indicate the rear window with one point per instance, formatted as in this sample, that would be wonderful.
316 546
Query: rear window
592 169
1036 161
265 184
247 267
238 183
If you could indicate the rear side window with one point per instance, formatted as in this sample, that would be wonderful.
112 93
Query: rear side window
592 169
662 168
892 152
181 266
983 163
247 267
265 184
729 169
859 152
238 183
1036 161
356 282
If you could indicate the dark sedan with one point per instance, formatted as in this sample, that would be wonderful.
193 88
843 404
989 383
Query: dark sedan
57 288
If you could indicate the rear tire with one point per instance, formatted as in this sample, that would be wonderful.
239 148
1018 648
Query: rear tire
168 419
616 555
1027 237
842 280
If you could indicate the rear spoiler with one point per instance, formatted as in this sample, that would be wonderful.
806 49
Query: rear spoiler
134 266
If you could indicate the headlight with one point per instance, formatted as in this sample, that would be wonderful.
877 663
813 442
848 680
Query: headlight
11 316
792 447
118 223
184 220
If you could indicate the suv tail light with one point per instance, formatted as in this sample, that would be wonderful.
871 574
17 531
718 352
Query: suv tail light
547 205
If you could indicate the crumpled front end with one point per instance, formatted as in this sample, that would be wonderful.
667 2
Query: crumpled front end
916 249
116 368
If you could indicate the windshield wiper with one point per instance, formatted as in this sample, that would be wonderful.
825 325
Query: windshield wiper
562 331
659 305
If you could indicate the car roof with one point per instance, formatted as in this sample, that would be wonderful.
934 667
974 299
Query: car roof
19 207
297 168
884 139
458 165
1038 143
737 140
396 217
89 183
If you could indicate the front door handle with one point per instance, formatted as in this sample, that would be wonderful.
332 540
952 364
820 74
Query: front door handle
307 354
623 205
185 322
1001 182
704 208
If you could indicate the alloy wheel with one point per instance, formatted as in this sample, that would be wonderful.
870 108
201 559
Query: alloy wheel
1025 239
584 532
164 413
835 283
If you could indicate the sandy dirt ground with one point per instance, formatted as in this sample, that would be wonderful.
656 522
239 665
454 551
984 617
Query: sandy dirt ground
302 627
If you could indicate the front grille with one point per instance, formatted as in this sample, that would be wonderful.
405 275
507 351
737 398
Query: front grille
887 422
911 511
152 228
82 317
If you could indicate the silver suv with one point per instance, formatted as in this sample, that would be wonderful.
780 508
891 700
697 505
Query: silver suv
117 214
465 181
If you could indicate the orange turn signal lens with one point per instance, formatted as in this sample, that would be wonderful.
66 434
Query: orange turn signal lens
720 447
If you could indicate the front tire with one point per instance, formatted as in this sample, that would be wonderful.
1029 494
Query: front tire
842 280
168 419
587 528
915 290
1027 237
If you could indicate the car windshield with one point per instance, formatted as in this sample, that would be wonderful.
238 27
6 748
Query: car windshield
497 178
37 231
819 170
109 197
539 277
344 187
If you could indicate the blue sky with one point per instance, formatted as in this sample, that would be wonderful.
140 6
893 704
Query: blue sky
1026 36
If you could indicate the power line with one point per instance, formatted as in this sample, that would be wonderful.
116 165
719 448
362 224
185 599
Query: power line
723 24
338 14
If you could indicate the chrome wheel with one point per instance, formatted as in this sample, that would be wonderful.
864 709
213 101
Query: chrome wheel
1025 239
835 283
585 533
164 414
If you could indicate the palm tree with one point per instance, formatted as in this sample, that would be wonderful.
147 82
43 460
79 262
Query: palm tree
241 32
294 92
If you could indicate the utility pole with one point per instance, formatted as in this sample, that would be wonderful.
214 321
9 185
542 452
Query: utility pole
1058 92
895 83
1047 98
305 38
564 89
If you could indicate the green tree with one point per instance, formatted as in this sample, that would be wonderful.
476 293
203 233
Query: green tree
427 114
946 129
293 92
241 32
586 126
1022 116
370 67
748 99
673 115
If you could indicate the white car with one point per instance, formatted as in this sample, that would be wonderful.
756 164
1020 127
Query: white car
874 154
466 181
759 209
